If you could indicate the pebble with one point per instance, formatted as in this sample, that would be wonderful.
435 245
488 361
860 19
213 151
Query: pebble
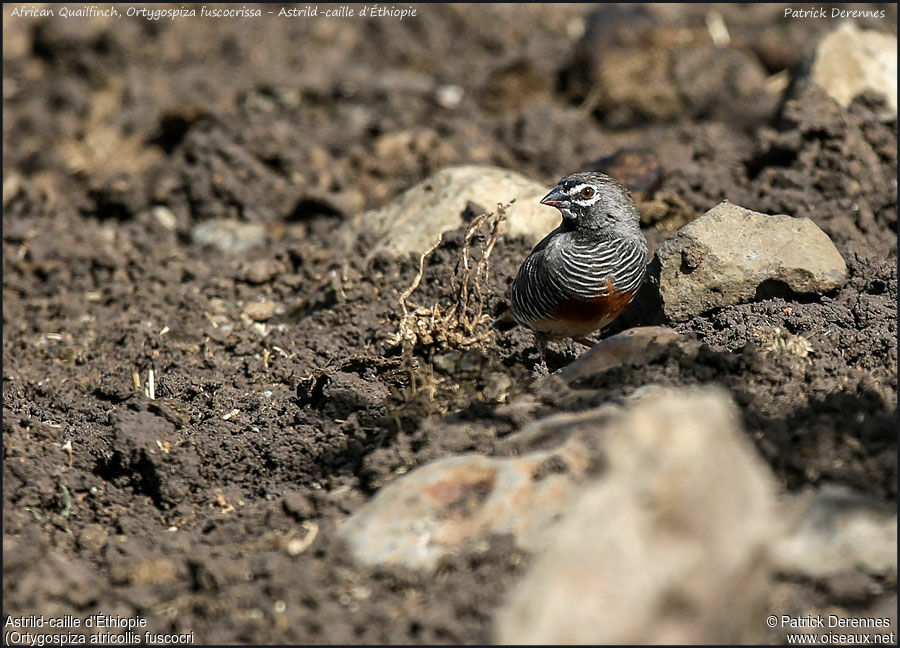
260 311
449 96
229 235
261 271
732 255
298 505
164 217
93 536
513 86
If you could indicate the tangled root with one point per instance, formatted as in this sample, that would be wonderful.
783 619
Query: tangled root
461 324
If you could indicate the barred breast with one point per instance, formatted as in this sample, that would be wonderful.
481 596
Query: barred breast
571 288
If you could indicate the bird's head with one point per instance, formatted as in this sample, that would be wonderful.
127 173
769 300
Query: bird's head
593 201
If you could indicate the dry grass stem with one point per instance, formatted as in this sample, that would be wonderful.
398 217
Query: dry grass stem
461 323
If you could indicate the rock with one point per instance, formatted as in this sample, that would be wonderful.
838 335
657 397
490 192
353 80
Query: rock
668 546
839 531
637 345
229 235
298 505
413 222
164 217
437 509
261 311
93 536
849 61
402 153
261 271
732 255
449 96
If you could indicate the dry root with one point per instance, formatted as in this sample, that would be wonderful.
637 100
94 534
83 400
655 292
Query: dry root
461 324
778 340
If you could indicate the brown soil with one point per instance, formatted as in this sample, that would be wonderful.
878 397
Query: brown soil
183 509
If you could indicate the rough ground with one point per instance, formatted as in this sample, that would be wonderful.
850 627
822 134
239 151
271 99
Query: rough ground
276 421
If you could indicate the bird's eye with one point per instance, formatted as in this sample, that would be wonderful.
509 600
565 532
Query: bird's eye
587 192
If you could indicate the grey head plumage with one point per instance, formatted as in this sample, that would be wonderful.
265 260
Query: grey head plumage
594 202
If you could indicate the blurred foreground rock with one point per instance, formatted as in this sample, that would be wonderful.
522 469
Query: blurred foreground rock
413 222
840 531
434 510
669 546
652 522
732 255
850 61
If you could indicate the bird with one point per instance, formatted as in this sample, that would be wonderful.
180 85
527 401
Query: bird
583 274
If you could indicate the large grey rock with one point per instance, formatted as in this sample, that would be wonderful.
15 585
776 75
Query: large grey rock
850 60
413 222
732 255
668 546
838 531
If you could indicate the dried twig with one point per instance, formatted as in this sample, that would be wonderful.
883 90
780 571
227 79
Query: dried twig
461 324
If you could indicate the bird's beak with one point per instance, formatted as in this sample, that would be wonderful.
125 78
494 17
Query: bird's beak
554 198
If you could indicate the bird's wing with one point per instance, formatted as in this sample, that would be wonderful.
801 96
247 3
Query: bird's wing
535 293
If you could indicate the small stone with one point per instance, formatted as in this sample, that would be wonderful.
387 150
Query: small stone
497 387
449 96
851 60
413 222
446 362
638 345
261 271
93 536
732 255
298 505
229 235
165 217
260 311
723 83
639 80
606 29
